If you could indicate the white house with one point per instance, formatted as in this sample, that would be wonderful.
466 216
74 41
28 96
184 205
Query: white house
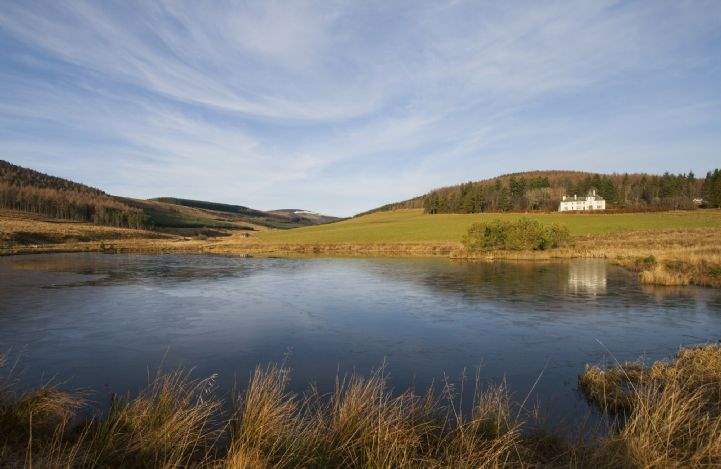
575 203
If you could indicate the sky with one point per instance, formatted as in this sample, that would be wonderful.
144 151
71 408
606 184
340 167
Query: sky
342 106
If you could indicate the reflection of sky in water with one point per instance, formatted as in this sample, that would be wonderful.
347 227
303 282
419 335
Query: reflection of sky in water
100 321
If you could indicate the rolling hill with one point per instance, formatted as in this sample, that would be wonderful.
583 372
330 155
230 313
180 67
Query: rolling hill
282 219
27 190
542 191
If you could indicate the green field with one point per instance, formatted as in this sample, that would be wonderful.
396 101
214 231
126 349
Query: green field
403 226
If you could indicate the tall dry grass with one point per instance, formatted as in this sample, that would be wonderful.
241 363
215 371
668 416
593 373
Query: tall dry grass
362 424
670 412
665 415
176 422
171 423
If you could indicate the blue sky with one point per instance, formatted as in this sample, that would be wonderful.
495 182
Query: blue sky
339 106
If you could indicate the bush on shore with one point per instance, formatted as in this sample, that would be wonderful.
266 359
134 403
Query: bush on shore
522 235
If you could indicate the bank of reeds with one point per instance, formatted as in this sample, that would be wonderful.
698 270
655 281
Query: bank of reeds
171 423
664 415
669 413
176 422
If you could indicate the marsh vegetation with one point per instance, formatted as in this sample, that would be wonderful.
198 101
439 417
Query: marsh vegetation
667 414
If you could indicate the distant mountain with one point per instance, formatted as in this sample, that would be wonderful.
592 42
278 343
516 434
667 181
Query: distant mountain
305 216
542 190
24 189
286 218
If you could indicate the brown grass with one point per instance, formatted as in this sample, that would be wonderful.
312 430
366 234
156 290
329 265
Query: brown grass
667 415
671 410
363 424
669 257
171 423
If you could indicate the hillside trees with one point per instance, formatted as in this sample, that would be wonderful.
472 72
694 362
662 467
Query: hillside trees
31 191
543 191
71 205
712 188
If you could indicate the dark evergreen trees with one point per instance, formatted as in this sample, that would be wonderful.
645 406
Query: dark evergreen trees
543 191
31 191
712 189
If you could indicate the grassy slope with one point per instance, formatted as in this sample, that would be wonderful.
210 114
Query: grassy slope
174 212
166 215
415 226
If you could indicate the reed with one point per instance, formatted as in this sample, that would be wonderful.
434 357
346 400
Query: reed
362 423
670 411
664 415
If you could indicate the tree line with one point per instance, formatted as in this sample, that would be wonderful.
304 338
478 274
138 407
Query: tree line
31 191
712 188
71 205
543 191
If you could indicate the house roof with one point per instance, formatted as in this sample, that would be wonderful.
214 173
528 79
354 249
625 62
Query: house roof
589 198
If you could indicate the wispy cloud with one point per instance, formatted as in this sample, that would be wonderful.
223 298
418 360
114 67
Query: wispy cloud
340 106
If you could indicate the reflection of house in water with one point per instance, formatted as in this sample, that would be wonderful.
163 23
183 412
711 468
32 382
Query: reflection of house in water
587 276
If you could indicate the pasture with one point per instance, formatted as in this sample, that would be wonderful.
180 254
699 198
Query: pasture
413 226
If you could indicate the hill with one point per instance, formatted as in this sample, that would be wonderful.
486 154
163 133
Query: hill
14 175
304 216
542 191
27 190
414 226
285 218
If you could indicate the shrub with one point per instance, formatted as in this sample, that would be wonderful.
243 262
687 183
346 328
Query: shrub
524 234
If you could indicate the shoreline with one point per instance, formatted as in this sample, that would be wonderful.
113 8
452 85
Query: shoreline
677 256
652 267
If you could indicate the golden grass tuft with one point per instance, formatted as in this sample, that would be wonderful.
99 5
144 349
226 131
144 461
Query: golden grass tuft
672 411
667 415
660 275
362 423
270 425
169 424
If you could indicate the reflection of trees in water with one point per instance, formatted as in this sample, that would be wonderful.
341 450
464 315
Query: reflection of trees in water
486 279
513 279
522 278
77 263
543 286
674 294
129 268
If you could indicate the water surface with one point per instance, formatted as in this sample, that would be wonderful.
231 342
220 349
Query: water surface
102 321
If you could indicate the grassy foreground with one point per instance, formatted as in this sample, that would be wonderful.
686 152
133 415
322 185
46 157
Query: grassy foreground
667 415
